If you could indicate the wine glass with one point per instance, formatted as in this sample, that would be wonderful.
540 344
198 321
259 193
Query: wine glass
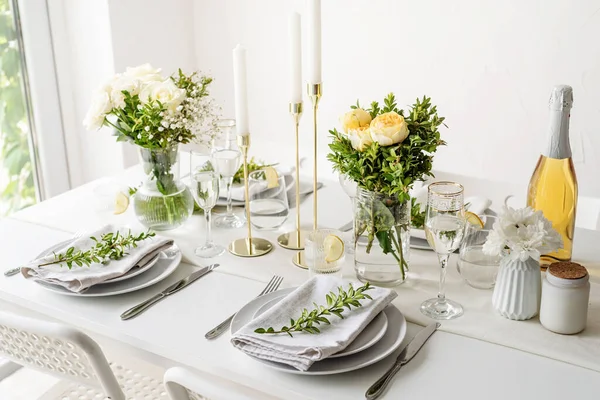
226 138
444 229
227 162
205 189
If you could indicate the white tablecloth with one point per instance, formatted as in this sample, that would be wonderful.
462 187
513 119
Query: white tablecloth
72 211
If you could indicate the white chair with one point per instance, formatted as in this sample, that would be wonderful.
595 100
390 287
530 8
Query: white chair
74 357
183 384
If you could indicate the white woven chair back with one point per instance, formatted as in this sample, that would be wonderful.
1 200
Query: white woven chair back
58 350
183 384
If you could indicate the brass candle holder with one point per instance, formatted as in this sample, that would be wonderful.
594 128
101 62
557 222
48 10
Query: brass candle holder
295 240
314 93
248 246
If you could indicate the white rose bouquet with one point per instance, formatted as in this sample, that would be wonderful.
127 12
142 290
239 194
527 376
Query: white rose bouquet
521 234
385 150
153 111
156 113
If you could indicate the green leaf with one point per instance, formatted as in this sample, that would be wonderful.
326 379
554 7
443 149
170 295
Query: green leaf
260 330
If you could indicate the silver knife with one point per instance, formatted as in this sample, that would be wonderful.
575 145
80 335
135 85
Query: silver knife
405 356
174 288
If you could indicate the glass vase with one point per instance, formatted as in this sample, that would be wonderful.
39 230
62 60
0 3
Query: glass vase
381 238
163 202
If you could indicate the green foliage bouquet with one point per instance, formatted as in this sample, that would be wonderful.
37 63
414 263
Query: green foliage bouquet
157 114
384 150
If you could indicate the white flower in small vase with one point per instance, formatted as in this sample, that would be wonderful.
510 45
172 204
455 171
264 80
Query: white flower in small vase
521 236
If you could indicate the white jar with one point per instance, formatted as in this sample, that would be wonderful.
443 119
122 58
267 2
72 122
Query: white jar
565 298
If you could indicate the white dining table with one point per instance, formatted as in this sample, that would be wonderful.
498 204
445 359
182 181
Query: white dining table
456 363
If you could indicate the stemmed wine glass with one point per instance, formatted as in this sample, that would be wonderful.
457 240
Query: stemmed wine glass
205 188
444 228
227 162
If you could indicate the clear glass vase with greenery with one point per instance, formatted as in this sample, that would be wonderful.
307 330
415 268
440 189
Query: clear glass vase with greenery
157 114
385 149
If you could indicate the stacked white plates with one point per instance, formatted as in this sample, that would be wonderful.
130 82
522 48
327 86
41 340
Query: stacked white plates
157 269
378 340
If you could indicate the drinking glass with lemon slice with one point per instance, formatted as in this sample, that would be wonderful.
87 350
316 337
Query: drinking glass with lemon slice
479 270
324 251
269 207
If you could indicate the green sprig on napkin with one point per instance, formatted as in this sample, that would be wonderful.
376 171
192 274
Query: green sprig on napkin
111 246
335 306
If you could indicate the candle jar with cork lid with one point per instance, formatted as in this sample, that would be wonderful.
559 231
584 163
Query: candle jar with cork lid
565 298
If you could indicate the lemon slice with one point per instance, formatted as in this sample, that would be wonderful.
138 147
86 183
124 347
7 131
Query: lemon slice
121 203
272 177
473 219
334 248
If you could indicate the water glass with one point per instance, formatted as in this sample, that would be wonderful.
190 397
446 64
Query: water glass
269 207
478 269
315 253
444 229
227 162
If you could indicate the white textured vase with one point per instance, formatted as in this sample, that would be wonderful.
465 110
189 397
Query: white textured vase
518 289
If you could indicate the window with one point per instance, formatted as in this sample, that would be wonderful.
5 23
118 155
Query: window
18 187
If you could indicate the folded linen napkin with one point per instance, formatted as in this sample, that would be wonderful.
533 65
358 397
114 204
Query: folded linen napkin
78 279
302 350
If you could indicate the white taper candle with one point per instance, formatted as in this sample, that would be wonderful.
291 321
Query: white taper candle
240 90
314 41
295 59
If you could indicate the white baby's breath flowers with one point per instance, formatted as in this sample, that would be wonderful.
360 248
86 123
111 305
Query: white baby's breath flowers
522 233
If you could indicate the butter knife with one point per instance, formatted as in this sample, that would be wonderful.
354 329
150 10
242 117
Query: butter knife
405 356
174 288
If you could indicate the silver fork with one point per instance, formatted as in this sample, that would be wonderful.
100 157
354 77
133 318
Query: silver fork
272 286
16 270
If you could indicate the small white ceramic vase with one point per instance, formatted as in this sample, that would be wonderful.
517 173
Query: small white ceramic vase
518 289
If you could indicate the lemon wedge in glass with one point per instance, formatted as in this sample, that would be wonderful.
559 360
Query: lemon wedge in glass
334 248
121 203
272 177
473 219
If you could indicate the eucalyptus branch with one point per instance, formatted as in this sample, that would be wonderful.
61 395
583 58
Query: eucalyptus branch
110 246
335 306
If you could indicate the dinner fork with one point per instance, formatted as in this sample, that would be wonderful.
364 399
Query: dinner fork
272 286
16 270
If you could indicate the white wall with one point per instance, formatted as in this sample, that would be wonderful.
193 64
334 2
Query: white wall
489 65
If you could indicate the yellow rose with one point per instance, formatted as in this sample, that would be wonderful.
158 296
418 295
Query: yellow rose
357 118
389 128
360 138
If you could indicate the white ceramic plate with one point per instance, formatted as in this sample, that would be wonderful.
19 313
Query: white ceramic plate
367 338
390 341
167 263
135 271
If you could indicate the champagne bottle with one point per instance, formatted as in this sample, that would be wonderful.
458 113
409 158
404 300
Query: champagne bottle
553 186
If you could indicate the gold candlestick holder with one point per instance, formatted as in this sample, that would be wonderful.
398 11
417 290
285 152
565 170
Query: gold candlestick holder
315 91
248 246
295 240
